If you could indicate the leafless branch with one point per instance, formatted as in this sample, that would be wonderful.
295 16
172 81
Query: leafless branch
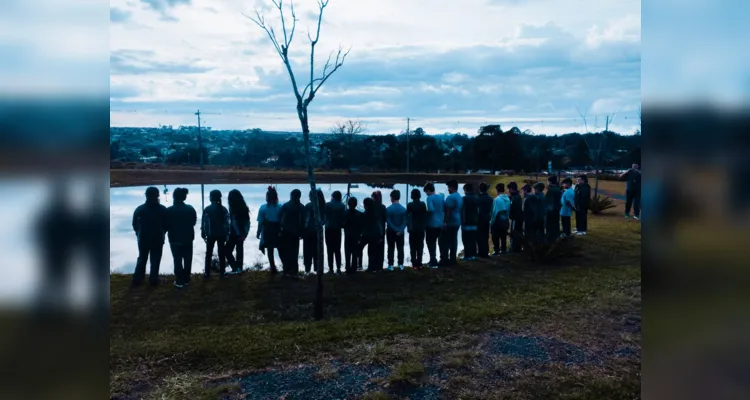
583 117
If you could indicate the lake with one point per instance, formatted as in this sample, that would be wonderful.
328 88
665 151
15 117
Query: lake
123 201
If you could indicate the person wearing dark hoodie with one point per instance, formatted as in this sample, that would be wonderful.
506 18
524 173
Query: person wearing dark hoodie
269 227
292 217
451 223
352 236
553 200
485 203
310 243
396 226
150 226
582 199
469 222
380 213
181 220
239 217
372 235
416 223
215 231
516 218
334 217
534 210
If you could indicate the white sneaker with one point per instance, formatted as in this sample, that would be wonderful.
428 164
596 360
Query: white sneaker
580 233
637 218
390 268
627 216
401 267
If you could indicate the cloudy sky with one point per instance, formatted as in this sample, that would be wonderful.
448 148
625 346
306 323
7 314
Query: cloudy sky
449 65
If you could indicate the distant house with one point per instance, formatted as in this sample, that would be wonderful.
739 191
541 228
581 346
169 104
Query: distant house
271 160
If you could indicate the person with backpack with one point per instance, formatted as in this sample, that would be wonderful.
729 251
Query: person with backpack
553 200
310 242
334 217
150 226
352 236
582 199
292 218
469 222
181 220
269 227
516 218
239 218
215 232
416 220
485 204
500 221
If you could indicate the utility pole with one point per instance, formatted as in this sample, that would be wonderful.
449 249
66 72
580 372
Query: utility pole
408 154
200 140
599 157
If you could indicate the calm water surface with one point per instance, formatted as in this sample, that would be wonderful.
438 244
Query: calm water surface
123 201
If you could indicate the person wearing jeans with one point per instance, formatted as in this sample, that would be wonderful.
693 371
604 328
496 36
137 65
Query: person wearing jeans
435 215
239 218
567 206
334 216
451 224
352 236
181 220
582 199
396 225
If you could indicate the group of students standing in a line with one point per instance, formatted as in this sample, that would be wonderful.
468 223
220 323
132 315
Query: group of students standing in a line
530 216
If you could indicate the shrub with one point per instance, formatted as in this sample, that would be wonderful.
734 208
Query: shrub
599 203
548 253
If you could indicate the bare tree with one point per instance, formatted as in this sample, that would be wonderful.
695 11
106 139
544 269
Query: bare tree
347 132
281 45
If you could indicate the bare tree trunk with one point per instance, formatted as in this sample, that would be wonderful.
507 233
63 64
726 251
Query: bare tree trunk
316 213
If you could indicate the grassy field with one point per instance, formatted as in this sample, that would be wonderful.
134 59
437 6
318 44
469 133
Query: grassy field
502 328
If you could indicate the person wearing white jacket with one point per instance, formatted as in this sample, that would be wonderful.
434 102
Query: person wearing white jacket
500 221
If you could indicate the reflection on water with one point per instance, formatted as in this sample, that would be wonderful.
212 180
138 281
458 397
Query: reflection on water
123 201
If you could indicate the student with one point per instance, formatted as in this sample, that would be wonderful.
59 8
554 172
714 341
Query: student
553 199
334 217
632 191
372 235
516 218
485 203
310 243
535 211
215 231
149 225
567 203
352 236
469 222
435 204
416 220
396 225
239 217
292 217
582 198
451 224
500 221
380 213
269 227
181 220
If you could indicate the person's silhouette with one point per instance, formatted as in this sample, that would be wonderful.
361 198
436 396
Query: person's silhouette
149 225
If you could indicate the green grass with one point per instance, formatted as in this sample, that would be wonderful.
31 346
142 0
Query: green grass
166 341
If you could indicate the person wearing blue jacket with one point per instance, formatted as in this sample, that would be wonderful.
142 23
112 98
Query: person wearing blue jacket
395 216
451 224
435 215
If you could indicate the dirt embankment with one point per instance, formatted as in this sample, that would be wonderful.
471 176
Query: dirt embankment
163 176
